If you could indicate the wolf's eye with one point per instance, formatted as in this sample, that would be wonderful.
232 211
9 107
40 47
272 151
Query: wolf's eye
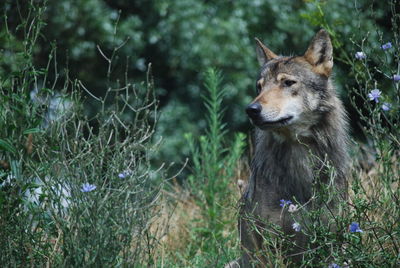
258 86
289 83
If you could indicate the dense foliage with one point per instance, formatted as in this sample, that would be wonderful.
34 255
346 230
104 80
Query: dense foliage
181 39
73 194
79 132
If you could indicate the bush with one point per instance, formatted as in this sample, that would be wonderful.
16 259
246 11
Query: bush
74 191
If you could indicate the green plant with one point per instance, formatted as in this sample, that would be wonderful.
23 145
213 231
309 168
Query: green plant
213 166
75 191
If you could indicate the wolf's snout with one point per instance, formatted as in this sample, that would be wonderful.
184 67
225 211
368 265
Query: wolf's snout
254 109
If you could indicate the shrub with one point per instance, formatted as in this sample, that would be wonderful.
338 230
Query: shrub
74 191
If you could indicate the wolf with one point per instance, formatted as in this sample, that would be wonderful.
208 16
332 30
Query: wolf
300 127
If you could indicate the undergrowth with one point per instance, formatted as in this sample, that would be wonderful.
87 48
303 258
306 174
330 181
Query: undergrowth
74 191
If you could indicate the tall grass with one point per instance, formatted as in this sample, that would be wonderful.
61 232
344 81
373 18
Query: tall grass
207 211
74 191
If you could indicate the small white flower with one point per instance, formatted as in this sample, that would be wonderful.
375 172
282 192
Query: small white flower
346 265
293 208
296 226
386 106
360 55
240 183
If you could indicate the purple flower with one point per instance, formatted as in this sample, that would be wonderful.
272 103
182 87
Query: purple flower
396 78
87 187
355 228
124 174
374 95
360 55
285 202
296 226
386 106
333 265
386 46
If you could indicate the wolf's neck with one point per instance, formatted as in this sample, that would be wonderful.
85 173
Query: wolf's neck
288 167
282 165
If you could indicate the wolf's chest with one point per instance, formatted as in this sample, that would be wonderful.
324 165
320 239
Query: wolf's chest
282 171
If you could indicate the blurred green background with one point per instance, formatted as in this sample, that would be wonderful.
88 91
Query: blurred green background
181 39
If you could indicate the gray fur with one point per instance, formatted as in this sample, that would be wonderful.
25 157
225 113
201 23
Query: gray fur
286 158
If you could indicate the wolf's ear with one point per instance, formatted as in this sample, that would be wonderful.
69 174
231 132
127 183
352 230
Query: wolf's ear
319 53
263 53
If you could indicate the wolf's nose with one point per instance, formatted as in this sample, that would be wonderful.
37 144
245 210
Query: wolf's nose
254 109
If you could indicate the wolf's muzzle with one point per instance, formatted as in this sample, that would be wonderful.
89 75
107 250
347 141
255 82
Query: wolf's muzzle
253 110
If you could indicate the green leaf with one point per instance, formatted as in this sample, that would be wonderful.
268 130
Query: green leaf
32 130
6 146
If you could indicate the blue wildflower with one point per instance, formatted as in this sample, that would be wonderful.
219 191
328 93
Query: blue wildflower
333 265
87 187
360 55
396 78
124 174
374 95
285 202
386 46
386 106
355 228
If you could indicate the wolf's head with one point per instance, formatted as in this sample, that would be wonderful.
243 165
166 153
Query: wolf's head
293 92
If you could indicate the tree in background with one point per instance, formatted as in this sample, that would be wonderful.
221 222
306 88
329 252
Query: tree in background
182 39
